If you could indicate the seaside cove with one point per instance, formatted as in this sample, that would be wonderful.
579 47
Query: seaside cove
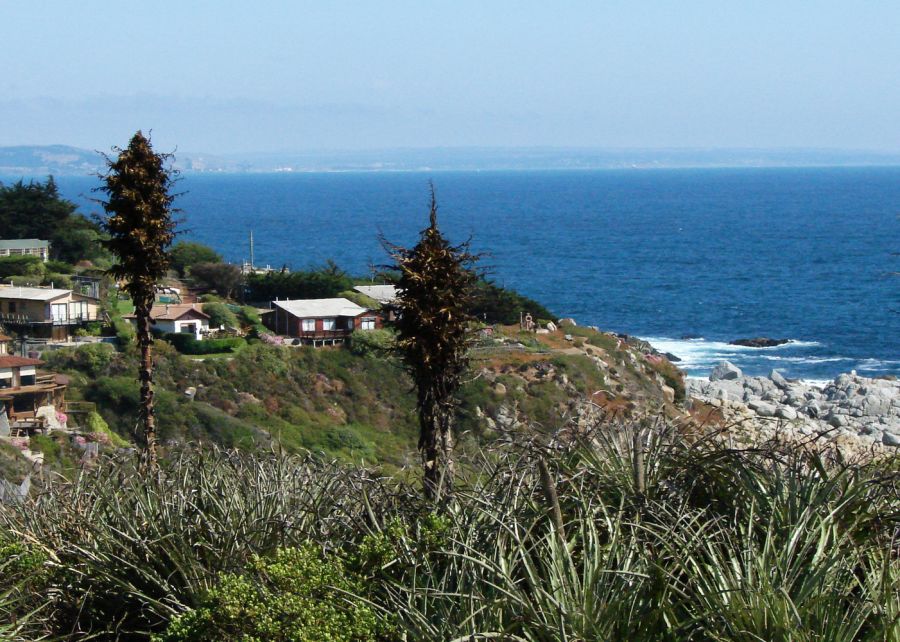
710 255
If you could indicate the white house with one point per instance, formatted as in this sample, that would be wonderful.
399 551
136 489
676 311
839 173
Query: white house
178 318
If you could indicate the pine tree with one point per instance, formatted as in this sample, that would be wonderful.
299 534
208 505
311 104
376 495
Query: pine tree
435 287
141 229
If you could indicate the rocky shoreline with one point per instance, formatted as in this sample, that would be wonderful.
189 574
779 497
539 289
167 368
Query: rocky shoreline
850 408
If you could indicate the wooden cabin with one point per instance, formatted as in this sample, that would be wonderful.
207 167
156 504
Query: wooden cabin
319 321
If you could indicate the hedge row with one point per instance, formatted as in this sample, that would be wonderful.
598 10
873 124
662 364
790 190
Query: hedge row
187 344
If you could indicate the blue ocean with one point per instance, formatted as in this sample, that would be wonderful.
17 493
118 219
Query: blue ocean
689 259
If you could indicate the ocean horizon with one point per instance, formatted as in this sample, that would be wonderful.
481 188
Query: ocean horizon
689 259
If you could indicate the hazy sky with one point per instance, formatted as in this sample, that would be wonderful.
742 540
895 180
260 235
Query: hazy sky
228 76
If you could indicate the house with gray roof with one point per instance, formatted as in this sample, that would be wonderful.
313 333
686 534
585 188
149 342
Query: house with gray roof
319 321
46 312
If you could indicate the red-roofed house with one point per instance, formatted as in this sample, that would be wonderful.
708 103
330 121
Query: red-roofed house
178 318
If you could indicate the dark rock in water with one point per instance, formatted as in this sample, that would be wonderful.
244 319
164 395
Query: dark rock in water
759 342
690 337
671 357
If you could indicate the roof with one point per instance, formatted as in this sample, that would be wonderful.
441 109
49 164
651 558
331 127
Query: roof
171 312
381 293
33 294
319 308
10 361
4 338
15 244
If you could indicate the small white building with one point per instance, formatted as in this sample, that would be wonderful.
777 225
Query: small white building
178 318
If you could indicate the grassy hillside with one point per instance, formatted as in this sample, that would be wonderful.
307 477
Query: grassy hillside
358 404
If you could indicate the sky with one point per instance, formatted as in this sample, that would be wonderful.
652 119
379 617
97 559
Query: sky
235 76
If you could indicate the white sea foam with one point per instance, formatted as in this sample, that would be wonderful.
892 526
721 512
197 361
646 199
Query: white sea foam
877 364
700 352
805 359
816 383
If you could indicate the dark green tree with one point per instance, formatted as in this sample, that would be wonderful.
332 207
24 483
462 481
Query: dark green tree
141 229
186 254
36 210
225 278
436 281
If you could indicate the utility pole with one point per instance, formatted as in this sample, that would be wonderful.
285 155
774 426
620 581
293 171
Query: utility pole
251 251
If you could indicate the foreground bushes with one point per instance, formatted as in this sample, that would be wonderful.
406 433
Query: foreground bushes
589 539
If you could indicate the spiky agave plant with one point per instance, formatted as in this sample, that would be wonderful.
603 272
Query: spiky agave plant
141 229
435 290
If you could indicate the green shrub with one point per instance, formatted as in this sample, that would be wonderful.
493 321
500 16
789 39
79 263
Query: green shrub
376 343
63 281
220 315
92 329
93 358
94 423
22 265
124 331
187 344
298 595
59 267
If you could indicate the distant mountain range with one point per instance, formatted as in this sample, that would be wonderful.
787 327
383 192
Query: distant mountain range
33 160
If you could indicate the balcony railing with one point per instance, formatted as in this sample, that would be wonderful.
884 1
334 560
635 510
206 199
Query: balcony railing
13 318
322 335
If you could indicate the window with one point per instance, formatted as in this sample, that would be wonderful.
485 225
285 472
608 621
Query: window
368 323
189 328
27 380
308 325
12 306
59 312
328 324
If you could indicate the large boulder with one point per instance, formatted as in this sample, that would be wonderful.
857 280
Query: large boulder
725 371
786 412
890 439
778 380
762 408
567 322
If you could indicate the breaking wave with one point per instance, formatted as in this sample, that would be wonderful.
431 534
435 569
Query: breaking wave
809 360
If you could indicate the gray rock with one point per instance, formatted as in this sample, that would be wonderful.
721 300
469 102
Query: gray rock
566 322
890 439
838 421
725 370
812 409
778 380
762 408
786 412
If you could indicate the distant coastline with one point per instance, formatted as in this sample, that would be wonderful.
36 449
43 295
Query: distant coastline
65 160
